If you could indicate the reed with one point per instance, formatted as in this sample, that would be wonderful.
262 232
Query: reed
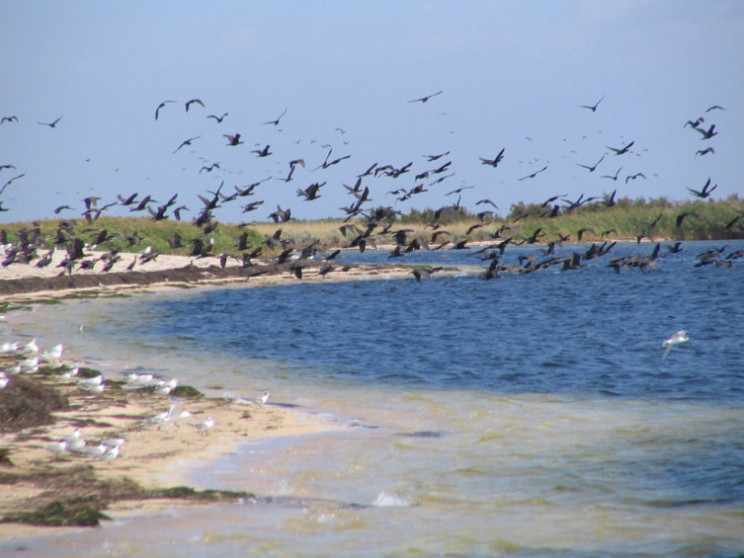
625 220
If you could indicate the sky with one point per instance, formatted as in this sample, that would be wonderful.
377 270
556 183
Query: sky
513 75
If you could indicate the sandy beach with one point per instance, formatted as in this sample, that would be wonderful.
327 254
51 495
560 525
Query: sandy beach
153 455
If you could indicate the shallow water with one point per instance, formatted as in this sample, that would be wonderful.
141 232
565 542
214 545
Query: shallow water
531 415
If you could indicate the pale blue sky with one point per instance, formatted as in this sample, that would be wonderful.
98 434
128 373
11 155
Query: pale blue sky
513 75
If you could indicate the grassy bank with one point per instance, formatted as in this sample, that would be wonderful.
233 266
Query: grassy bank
625 219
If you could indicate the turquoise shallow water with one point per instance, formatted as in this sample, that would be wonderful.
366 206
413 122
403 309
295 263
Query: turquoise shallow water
530 416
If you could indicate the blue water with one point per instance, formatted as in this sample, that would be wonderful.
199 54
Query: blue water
530 415
578 332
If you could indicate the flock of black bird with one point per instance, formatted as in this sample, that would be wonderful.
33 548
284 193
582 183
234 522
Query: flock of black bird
372 225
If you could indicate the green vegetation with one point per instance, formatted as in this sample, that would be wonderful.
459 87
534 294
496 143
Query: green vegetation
74 496
625 219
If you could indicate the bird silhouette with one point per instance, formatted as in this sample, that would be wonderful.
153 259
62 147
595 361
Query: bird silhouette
262 152
5 119
161 105
635 176
714 107
705 192
495 161
621 150
612 177
426 97
191 102
233 139
593 107
593 167
709 133
534 174
275 122
219 119
186 142
51 124
704 151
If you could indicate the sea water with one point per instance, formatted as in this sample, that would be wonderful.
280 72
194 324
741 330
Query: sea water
531 415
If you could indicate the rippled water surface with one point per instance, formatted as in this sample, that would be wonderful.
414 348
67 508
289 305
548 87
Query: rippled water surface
530 415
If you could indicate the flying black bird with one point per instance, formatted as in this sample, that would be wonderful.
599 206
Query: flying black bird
186 142
431 158
611 176
191 102
714 107
694 124
262 152
6 167
127 201
50 124
11 180
634 176
210 168
704 151
161 105
426 98
593 107
709 133
534 174
495 161
5 119
233 139
705 192
592 168
620 151
276 122
311 192
681 217
218 118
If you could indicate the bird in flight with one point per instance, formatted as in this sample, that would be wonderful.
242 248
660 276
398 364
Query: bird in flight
611 176
714 107
186 142
233 139
705 192
534 174
495 161
262 152
5 119
621 150
709 133
276 121
634 176
218 118
426 97
593 107
161 105
704 151
191 102
594 167
677 338
50 124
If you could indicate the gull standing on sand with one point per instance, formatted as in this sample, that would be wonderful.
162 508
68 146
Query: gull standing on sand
204 425
676 339
54 354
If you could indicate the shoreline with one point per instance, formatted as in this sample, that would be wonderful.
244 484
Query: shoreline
152 458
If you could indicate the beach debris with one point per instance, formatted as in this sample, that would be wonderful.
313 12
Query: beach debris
677 338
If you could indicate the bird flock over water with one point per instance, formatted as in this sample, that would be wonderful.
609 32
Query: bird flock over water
366 223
